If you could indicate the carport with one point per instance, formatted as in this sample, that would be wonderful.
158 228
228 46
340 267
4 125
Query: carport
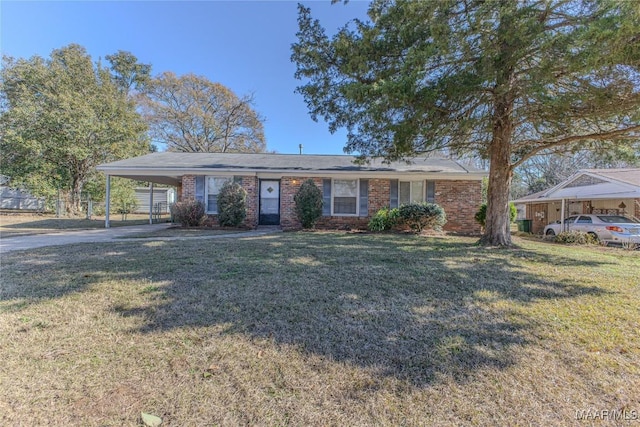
590 191
139 169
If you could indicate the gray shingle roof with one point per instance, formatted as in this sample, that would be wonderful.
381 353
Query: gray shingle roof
283 162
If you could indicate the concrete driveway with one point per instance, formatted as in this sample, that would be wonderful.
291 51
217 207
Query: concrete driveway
106 235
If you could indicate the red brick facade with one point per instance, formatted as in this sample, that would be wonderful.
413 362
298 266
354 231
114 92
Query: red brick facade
460 200
188 188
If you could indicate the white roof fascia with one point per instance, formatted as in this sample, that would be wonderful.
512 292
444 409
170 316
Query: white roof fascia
467 176
562 185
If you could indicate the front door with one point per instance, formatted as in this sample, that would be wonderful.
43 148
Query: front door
269 202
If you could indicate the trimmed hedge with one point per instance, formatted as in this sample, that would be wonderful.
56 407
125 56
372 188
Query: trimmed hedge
232 205
189 213
575 238
308 202
384 219
417 216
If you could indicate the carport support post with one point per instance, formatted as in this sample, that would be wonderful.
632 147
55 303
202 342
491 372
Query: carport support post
151 203
107 202
562 215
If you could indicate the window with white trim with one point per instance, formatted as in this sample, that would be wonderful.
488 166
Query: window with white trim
411 192
213 186
345 196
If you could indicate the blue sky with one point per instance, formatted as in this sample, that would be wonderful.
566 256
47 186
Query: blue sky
244 45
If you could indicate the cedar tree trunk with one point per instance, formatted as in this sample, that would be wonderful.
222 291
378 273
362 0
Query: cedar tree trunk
497 229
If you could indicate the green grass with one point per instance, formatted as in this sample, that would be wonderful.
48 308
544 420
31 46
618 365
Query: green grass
178 231
318 329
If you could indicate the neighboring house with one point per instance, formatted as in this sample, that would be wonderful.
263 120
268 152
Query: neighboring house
352 193
163 198
588 191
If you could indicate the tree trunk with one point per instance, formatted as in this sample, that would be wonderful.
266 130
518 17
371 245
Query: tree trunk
76 193
497 230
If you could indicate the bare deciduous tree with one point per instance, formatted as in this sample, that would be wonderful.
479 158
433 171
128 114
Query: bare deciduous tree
192 114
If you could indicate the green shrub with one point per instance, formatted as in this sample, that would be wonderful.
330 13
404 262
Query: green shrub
481 215
308 202
384 219
576 238
232 206
189 213
419 216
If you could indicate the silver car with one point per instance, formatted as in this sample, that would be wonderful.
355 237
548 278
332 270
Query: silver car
606 228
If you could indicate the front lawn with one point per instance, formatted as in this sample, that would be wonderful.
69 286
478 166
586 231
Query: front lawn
25 224
319 329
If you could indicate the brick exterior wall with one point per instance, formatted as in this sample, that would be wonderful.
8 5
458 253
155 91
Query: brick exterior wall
460 200
289 186
379 195
250 184
188 188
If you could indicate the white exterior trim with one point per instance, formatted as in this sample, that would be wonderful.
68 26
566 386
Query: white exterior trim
333 195
178 173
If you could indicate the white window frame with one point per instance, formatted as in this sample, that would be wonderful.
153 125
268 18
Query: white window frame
206 190
423 196
333 197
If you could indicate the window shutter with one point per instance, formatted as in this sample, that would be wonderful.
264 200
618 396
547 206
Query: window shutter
326 197
200 188
393 186
364 197
237 179
431 191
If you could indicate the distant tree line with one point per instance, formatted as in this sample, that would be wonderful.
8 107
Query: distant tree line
63 115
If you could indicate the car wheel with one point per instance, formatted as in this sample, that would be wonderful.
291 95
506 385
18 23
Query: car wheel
550 232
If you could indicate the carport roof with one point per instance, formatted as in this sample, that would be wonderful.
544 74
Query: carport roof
592 184
169 167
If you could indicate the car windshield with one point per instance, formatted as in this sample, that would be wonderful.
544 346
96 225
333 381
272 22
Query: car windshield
611 219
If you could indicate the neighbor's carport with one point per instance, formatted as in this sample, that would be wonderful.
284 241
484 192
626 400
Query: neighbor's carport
589 191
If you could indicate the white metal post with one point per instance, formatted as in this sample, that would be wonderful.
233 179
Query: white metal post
151 203
562 208
107 202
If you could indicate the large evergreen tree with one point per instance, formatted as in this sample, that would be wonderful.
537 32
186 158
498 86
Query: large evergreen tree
504 79
59 118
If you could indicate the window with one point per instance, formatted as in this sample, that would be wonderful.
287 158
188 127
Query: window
345 196
213 186
411 192
584 220
616 219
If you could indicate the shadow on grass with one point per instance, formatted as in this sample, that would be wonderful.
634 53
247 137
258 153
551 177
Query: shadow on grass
71 224
399 306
